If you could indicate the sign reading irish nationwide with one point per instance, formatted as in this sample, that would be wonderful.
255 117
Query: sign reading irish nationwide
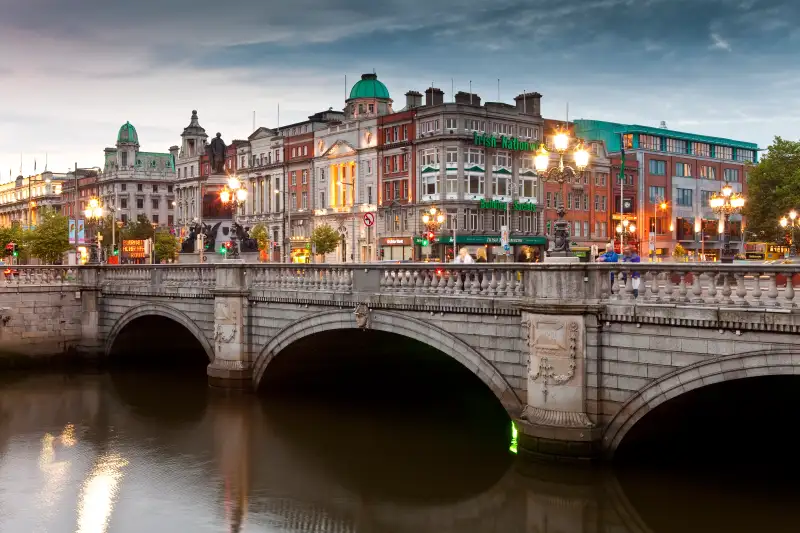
135 249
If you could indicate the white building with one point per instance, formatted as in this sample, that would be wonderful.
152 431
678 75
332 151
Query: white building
138 183
188 187
345 184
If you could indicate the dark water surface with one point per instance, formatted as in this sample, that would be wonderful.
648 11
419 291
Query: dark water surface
135 452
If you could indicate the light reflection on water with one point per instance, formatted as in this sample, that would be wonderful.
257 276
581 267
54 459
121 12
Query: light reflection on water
114 464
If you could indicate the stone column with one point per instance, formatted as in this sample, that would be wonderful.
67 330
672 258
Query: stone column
232 367
555 423
90 345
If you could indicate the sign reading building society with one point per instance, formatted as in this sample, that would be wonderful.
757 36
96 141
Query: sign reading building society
136 249
507 143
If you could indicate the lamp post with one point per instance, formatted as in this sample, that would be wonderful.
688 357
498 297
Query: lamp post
626 227
725 203
561 174
236 194
433 219
94 213
792 222
661 204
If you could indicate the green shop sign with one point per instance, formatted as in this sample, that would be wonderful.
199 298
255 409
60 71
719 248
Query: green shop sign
501 206
491 239
506 143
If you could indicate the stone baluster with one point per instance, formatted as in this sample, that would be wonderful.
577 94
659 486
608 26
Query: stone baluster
669 287
501 285
483 280
788 294
348 280
426 281
712 287
772 291
449 281
741 291
626 287
436 287
682 290
384 283
615 285
475 286
403 280
726 290
397 280
697 289
511 281
460 279
756 292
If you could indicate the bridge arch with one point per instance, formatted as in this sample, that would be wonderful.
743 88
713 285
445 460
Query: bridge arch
774 362
157 309
395 323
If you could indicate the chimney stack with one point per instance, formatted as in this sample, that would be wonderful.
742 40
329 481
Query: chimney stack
466 98
529 104
413 99
434 96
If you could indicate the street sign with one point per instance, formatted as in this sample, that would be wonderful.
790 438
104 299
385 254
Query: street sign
504 236
369 219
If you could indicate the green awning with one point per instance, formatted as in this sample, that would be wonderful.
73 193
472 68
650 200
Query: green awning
492 239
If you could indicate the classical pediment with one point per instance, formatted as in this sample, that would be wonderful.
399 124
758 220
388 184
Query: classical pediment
339 149
261 133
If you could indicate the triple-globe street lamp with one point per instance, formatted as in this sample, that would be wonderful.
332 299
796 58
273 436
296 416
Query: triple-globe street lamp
94 213
561 174
432 218
727 202
235 194
791 221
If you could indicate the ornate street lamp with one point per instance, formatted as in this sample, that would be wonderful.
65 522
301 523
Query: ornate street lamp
235 194
792 222
432 219
626 227
725 203
94 212
561 174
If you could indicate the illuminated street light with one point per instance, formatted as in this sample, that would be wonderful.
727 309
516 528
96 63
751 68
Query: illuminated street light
726 203
236 194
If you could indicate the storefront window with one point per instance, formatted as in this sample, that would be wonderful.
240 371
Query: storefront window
475 183
528 187
501 183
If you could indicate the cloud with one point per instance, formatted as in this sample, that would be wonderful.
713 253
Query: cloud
718 43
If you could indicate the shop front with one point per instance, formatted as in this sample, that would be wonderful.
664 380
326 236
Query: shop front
522 249
301 251
396 249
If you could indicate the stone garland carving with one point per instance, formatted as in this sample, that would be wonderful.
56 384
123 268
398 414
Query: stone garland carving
225 331
545 369
363 318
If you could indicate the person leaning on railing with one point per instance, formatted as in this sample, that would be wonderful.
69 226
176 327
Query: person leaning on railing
629 255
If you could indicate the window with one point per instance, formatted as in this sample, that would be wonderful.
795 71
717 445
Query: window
707 172
657 194
430 184
294 177
705 198
369 194
528 187
124 160
723 152
293 204
305 200
701 149
322 199
649 142
430 126
155 188
731 175
501 185
305 177
155 219
474 156
241 162
585 202
139 187
140 203
305 150
745 155
526 132
577 204
124 187
683 170
154 202
597 202
450 123
676 146
452 182
658 225
451 156
388 165
577 232
658 167
474 125
502 159
475 183
586 228
169 189
170 220
548 199
452 219
500 128
683 197
429 157
123 203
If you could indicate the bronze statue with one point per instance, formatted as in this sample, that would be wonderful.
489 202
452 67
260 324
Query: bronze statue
216 154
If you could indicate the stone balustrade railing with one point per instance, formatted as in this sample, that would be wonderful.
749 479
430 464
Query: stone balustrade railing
702 284
14 277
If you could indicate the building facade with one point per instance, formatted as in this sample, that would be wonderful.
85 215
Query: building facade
475 162
681 170
22 200
135 183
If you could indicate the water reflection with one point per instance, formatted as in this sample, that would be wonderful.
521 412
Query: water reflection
86 459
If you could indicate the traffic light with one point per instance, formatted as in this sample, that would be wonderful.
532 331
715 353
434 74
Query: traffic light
11 248
115 251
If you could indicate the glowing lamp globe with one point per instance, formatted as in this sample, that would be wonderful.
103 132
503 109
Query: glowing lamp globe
561 141
225 196
581 158
241 194
426 218
541 160
784 222
234 183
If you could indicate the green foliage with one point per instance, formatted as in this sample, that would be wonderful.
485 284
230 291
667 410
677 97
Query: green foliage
325 238
260 233
165 246
773 189
12 234
49 240
679 252
140 229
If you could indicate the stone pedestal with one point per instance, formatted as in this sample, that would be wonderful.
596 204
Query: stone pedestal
561 259
232 367
555 423
89 346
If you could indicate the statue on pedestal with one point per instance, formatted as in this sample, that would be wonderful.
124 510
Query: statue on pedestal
216 154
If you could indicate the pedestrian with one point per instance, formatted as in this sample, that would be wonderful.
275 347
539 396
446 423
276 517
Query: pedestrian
464 258
629 255
480 256
610 256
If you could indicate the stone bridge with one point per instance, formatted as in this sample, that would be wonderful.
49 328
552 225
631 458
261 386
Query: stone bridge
571 352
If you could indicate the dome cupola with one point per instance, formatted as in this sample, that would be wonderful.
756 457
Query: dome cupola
127 134
369 87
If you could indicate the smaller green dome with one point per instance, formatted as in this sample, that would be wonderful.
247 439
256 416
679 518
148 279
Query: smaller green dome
127 134
369 87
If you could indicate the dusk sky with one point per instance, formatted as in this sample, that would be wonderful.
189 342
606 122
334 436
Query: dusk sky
72 72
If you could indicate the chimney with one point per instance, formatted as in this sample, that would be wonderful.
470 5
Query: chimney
529 104
174 151
413 99
434 96
468 98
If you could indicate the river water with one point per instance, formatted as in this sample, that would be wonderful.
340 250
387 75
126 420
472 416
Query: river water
159 453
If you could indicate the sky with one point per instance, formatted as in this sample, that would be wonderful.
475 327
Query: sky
71 73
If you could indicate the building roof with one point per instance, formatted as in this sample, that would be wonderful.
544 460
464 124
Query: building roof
610 133
127 134
369 87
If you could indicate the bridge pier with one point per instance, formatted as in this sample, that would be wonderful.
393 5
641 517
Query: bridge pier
90 345
231 368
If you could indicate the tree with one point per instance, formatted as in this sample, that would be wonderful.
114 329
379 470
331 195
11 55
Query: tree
140 229
773 189
13 234
165 246
325 239
49 240
261 235
679 252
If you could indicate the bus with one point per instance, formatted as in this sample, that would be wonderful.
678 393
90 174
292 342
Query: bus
765 251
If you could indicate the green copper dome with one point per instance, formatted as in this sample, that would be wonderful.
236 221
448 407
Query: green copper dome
369 87
127 134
